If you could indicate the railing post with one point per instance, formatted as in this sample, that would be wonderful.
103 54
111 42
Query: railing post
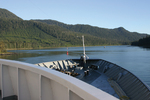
40 98
1 80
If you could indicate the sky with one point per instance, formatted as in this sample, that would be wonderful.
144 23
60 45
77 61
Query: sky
133 15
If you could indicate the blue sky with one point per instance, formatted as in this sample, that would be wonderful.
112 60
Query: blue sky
133 15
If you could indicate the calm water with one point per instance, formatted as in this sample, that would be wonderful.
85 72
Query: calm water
135 59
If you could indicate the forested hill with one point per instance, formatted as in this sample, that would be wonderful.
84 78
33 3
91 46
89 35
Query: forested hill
144 42
18 33
7 14
119 34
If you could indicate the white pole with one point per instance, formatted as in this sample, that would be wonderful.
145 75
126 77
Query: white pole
83 45
84 55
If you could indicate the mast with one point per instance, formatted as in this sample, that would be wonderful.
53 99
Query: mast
84 55
83 46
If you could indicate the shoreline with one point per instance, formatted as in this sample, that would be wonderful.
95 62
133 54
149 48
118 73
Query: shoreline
8 53
54 47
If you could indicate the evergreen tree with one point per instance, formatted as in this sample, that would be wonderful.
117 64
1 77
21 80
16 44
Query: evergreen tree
2 47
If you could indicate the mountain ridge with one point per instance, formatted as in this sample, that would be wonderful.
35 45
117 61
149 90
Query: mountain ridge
18 33
96 31
8 15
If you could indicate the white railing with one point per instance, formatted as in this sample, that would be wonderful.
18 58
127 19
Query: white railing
31 82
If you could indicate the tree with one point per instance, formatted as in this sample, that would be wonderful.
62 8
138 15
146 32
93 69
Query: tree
2 47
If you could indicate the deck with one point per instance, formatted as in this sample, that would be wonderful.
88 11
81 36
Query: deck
108 77
99 80
102 83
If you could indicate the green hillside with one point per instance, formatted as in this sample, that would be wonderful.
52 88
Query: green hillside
144 42
119 34
28 34
18 33
7 14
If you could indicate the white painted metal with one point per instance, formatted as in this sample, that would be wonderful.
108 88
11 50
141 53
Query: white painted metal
41 64
83 46
31 82
84 55
66 64
0 76
74 96
61 64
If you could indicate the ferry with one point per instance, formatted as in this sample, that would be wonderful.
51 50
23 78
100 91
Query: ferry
70 79
104 75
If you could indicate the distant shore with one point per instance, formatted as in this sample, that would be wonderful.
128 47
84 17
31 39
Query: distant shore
56 47
8 53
